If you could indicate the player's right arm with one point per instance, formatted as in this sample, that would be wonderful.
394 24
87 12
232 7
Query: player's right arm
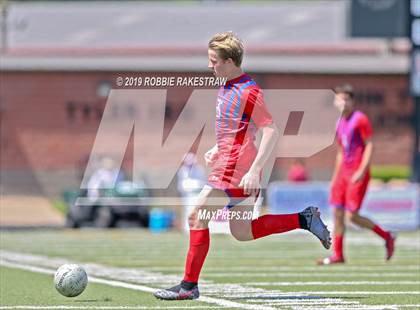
211 156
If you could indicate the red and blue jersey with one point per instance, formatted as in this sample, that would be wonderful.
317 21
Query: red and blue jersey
352 133
240 111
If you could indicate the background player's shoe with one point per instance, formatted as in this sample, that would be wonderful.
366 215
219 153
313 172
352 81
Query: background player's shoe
177 292
390 246
331 260
316 226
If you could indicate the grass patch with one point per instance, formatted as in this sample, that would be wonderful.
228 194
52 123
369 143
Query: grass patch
60 206
387 173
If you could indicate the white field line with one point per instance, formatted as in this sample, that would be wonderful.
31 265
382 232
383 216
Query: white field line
357 293
137 276
336 307
294 268
365 239
124 274
313 301
134 275
106 307
91 279
315 295
345 305
338 283
219 290
407 243
211 300
310 275
357 307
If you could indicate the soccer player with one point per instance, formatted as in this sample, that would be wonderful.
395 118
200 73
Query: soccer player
351 174
236 167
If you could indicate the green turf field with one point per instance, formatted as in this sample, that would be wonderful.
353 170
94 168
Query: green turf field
277 272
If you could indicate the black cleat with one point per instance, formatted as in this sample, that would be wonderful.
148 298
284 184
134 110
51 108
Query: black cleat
178 293
316 226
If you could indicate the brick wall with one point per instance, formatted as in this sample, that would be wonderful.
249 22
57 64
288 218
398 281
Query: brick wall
49 119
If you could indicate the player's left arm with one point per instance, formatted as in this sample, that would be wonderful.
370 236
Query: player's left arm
251 180
255 107
366 134
365 163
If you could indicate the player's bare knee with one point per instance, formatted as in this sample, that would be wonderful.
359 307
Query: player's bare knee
339 220
338 213
193 218
351 216
240 234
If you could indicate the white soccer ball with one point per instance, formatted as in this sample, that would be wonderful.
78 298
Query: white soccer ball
70 280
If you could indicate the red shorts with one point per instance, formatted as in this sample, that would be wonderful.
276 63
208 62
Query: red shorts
348 195
229 184
227 175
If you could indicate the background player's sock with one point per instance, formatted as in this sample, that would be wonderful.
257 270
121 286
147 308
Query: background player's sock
338 246
273 224
382 233
197 252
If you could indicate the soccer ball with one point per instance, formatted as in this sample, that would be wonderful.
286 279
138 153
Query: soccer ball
70 280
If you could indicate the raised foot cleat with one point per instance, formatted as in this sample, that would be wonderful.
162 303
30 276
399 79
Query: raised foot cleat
177 293
390 246
330 260
317 226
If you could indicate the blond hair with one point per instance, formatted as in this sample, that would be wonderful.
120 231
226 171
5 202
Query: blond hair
228 45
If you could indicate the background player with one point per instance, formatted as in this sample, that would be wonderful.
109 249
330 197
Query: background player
351 174
236 166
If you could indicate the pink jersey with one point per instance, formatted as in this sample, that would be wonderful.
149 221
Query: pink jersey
352 133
